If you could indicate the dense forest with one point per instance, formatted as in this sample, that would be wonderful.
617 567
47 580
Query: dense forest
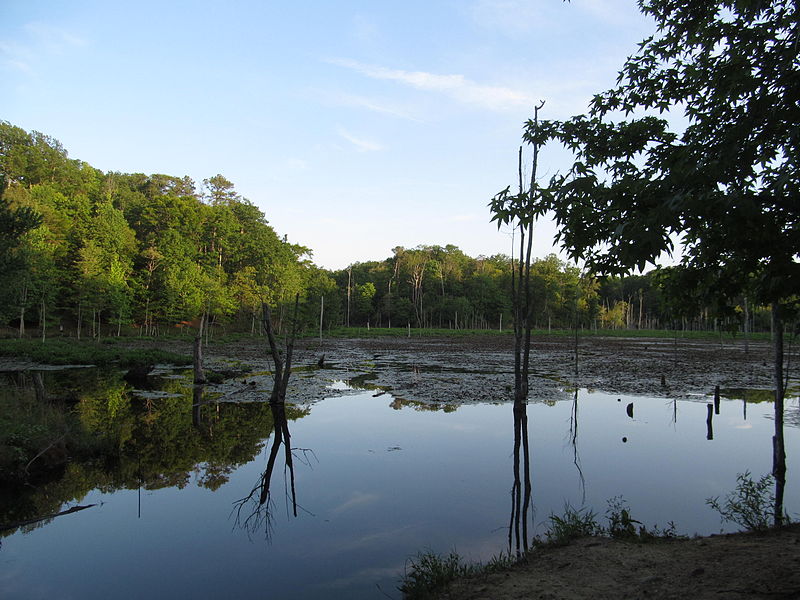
87 253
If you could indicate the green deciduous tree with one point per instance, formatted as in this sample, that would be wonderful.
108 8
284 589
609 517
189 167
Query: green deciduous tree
728 183
520 211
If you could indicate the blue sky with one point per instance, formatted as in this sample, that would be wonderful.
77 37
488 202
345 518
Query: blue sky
355 126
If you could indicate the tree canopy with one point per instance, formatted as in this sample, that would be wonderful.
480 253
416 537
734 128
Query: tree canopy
726 186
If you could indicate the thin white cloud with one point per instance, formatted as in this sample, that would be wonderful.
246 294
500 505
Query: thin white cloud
373 105
612 12
39 41
515 18
54 38
15 57
512 17
365 30
356 499
466 218
456 86
361 144
295 164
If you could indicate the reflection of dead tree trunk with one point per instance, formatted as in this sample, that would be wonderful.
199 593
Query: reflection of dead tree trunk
197 402
283 363
282 436
260 496
573 426
521 490
709 421
38 385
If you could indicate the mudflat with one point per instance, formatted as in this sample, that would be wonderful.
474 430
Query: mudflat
469 369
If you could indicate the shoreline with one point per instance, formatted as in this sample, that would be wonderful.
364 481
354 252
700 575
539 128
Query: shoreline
725 566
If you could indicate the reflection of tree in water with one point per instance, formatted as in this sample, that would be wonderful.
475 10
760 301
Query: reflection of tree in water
521 489
254 511
398 403
573 440
120 441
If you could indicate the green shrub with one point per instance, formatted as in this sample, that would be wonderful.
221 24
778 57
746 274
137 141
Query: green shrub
751 504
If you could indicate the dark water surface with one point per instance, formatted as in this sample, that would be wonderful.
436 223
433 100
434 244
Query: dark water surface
376 481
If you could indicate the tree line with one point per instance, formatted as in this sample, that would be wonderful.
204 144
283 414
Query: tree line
85 250
441 287
86 253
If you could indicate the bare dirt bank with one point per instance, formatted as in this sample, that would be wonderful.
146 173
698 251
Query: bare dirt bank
738 566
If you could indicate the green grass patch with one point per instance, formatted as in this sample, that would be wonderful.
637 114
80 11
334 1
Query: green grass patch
571 525
364 332
427 574
74 352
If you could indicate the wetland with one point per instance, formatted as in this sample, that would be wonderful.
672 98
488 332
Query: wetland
386 447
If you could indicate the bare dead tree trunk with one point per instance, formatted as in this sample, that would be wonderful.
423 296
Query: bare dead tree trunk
283 364
199 375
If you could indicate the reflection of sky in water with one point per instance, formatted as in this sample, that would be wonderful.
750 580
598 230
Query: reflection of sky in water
387 483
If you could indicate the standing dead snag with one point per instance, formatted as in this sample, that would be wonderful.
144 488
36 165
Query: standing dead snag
283 363
197 355
277 404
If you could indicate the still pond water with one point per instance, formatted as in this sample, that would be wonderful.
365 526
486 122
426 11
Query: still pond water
376 480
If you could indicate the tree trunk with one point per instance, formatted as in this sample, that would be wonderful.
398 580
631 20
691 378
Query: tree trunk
349 273
778 447
283 366
746 326
321 313
43 319
199 375
23 300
